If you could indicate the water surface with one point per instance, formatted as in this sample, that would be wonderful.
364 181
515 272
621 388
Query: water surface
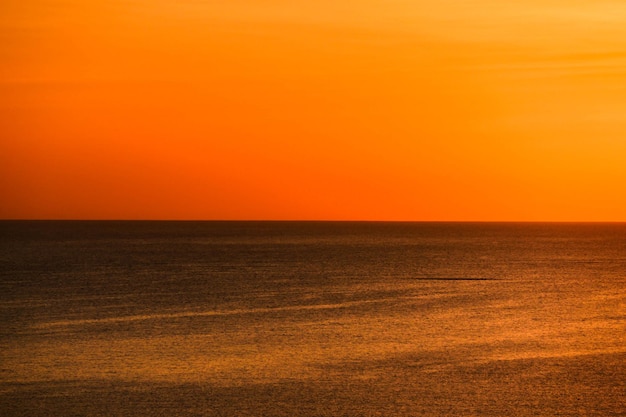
312 319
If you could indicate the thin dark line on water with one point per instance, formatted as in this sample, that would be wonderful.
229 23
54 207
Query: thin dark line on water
454 279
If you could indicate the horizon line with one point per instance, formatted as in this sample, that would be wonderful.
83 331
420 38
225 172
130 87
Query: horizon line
307 220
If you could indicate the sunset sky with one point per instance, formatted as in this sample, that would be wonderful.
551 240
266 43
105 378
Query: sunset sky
329 109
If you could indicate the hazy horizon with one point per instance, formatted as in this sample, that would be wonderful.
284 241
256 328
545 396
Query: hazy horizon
315 221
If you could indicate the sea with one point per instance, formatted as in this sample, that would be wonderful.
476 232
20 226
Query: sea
143 318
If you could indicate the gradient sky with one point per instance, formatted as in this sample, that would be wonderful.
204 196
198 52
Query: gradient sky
293 109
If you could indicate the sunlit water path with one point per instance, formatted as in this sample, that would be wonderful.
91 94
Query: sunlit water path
312 319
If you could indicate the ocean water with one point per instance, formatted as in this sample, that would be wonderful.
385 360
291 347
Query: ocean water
312 319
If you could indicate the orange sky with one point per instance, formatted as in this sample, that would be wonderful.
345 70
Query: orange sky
293 109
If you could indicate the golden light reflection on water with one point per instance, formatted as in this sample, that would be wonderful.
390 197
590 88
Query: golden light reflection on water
395 320
269 345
